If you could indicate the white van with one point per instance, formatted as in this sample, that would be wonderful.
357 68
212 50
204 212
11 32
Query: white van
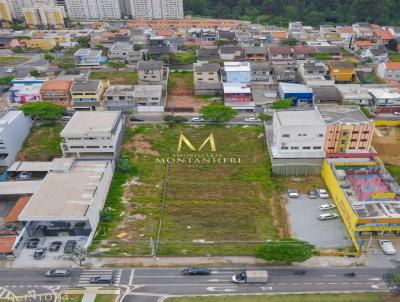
387 247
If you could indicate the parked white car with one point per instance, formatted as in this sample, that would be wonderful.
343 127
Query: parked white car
197 119
328 216
322 193
252 120
292 193
10 69
387 247
326 206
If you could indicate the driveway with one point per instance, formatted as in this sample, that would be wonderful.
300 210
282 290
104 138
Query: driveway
304 225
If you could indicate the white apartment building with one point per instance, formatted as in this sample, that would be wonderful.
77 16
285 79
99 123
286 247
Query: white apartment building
44 15
14 128
93 9
156 9
93 134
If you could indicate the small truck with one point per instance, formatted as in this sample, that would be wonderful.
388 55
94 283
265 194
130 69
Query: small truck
251 277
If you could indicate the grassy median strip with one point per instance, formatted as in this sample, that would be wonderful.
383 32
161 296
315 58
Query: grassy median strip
352 297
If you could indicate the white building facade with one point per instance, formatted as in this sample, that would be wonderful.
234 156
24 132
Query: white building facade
156 9
93 9
14 128
93 134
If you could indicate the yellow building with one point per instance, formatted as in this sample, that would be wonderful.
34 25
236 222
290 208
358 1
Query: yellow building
44 16
341 71
5 12
366 196
88 94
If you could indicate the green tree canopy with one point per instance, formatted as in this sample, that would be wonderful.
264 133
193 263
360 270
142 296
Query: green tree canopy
6 80
217 113
48 57
286 251
290 41
44 111
137 47
116 64
35 73
321 56
282 104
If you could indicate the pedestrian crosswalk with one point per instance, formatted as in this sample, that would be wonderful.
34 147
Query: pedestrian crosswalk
84 278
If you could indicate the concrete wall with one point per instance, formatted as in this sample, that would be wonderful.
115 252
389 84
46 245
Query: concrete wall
296 167
150 108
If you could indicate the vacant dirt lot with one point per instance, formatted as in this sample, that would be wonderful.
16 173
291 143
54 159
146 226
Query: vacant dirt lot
386 141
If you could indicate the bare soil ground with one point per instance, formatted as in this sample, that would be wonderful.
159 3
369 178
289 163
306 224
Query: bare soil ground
386 141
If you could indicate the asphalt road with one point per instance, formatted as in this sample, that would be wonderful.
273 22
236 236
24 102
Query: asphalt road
150 284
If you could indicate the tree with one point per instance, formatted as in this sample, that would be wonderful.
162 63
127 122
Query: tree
137 47
66 65
116 64
17 49
286 251
83 41
78 256
57 48
18 26
174 119
218 113
282 104
6 80
48 57
392 279
35 73
290 41
392 45
44 111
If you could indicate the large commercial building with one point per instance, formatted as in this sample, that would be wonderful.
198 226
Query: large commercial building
94 135
156 9
14 128
93 9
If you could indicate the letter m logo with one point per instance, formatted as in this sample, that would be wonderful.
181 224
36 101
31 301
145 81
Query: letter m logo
209 139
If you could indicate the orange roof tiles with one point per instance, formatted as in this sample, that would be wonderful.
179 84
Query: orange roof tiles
164 32
56 85
392 65
362 43
383 34
279 34
38 36
6 243
12 216
345 30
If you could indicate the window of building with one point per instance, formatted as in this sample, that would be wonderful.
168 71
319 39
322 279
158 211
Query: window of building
365 132
363 140
294 148
285 135
317 147
306 148
320 135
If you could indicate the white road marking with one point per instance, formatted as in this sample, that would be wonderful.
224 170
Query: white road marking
329 275
131 276
221 289
3 291
374 279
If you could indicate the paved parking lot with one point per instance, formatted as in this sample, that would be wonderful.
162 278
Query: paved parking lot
304 224
52 259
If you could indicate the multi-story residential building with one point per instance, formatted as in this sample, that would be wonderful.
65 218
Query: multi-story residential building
236 72
342 72
95 135
93 9
124 51
151 72
156 9
6 13
334 52
303 52
315 74
261 73
296 30
385 97
87 94
355 94
16 7
86 57
362 30
255 54
207 79
389 71
119 98
301 95
26 89
285 72
349 132
14 128
327 95
149 98
280 55
44 16
238 96
296 142
56 91
230 52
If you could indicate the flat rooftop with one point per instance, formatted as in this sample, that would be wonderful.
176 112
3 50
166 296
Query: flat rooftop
343 114
91 123
66 192
299 117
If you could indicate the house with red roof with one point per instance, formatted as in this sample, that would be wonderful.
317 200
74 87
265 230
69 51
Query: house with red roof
389 71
